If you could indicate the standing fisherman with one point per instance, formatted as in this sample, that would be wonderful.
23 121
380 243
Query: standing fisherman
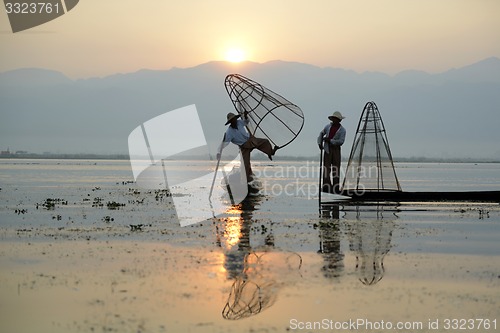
331 138
237 134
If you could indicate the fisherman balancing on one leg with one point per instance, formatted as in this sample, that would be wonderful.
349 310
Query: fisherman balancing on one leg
237 134
331 138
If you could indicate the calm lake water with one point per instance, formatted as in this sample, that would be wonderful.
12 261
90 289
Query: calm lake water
273 263
81 190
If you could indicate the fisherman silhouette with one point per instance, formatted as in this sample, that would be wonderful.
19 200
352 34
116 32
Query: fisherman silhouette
330 140
238 134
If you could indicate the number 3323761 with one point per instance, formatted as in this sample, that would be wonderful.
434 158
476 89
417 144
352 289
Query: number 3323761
32 8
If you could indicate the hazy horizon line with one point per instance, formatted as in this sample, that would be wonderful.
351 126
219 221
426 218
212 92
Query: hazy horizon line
125 156
246 62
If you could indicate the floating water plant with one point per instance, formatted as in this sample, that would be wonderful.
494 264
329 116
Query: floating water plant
114 205
50 203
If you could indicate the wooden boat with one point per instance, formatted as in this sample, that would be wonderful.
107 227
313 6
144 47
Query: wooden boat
404 196
371 177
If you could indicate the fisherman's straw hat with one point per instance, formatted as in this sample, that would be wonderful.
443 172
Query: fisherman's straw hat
337 115
231 116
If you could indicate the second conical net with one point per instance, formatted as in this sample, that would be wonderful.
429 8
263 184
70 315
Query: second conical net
370 166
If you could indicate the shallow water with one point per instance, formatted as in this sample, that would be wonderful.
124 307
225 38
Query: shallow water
272 263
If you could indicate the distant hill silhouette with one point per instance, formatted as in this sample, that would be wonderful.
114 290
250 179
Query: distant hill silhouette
454 114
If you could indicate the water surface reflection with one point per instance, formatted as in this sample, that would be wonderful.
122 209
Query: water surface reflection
368 229
259 271
329 243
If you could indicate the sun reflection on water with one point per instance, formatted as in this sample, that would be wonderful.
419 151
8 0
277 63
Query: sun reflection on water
232 231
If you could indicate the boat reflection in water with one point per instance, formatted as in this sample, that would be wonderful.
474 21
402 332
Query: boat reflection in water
369 232
260 270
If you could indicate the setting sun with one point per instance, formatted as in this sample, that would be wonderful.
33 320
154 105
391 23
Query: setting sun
235 55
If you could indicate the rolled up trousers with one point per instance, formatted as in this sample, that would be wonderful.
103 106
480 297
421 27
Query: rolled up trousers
254 143
331 168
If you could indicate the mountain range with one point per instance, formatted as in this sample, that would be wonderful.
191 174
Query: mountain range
454 114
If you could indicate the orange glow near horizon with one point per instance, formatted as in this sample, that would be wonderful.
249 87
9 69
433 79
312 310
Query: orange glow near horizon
329 34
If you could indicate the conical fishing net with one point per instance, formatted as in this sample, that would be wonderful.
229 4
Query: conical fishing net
271 115
247 299
370 166
257 287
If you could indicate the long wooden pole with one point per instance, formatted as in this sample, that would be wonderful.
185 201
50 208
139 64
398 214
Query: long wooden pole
320 173
216 167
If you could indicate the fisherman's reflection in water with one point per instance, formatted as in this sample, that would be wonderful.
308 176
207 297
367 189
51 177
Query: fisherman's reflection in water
329 242
258 269
369 231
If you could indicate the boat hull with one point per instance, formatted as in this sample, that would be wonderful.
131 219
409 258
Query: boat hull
401 196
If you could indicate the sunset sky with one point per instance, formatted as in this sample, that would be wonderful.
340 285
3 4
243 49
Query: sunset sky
99 38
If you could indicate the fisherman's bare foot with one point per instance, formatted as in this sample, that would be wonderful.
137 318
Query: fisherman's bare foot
274 152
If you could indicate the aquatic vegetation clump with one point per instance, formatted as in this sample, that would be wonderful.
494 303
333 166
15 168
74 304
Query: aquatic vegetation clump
114 205
50 203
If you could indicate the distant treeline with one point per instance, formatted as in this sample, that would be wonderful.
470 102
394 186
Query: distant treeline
67 156
256 157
